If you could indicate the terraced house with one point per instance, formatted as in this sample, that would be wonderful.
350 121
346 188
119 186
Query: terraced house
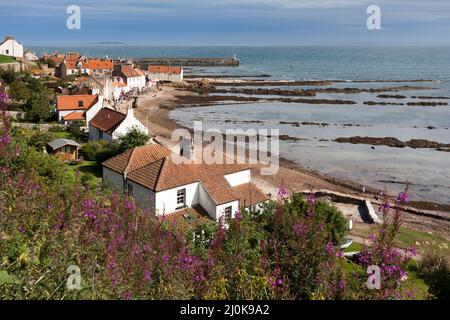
150 174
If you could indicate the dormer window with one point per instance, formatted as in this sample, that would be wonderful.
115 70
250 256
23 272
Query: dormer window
80 104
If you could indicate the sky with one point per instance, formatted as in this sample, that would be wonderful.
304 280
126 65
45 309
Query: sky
227 22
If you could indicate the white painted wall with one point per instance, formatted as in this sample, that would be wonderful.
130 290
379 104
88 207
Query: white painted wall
166 201
112 179
206 202
11 48
127 124
157 76
94 109
238 178
220 210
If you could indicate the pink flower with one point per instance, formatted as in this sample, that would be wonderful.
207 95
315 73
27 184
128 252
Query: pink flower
403 197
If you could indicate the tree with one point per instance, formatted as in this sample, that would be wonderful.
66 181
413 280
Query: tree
19 91
39 107
134 138
75 129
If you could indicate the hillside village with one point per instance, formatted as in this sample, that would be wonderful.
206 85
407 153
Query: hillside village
99 96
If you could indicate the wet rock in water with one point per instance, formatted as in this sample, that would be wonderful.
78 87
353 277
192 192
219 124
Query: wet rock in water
382 103
431 127
285 137
395 143
429 97
427 104
387 141
391 96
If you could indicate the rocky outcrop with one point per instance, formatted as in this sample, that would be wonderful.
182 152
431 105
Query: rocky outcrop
395 143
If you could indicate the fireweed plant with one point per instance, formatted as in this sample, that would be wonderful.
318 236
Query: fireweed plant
289 249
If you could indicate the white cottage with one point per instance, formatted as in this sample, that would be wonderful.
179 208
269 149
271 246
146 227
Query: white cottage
150 175
78 107
110 125
10 47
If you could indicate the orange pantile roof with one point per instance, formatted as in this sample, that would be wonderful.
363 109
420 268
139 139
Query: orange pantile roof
73 64
72 102
99 64
74 116
187 219
152 166
249 194
128 71
164 69
136 158
107 120
139 72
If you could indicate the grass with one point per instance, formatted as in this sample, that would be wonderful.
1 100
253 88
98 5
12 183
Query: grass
6 59
408 238
355 246
90 172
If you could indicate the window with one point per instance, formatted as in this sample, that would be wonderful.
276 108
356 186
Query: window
80 104
66 149
181 198
228 212
7 51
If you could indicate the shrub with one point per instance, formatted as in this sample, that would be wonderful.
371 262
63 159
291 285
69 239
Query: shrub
435 269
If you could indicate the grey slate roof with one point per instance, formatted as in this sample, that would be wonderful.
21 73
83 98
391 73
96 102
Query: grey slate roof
59 143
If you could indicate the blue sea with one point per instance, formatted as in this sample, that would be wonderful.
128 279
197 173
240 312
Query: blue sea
427 170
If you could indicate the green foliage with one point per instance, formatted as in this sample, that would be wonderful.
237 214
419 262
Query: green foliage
435 269
39 107
19 91
133 138
99 150
39 139
75 129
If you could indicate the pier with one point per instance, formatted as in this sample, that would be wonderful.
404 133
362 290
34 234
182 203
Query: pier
187 62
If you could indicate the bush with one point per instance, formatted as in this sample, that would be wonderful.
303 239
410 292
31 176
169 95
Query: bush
434 268
99 151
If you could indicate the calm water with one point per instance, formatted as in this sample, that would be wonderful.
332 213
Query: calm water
428 170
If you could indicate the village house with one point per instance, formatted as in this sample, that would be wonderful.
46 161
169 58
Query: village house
165 73
109 125
73 67
78 107
133 77
99 67
64 149
10 47
30 56
151 176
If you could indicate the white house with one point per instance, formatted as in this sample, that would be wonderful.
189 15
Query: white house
165 73
30 56
156 181
133 77
10 47
74 67
78 107
110 125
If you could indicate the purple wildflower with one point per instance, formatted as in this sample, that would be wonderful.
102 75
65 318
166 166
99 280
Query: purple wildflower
403 197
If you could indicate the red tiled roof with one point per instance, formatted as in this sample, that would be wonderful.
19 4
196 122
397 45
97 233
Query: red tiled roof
74 116
187 219
99 64
249 194
152 166
107 120
164 69
71 102
129 72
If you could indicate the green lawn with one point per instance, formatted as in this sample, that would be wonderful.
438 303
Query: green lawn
90 172
6 59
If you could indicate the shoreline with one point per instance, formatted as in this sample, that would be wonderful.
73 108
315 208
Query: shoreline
153 112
